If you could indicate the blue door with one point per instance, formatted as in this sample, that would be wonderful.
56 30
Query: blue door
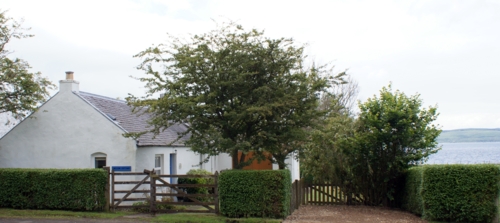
173 167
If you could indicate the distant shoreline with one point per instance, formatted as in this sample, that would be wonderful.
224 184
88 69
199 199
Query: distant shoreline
470 135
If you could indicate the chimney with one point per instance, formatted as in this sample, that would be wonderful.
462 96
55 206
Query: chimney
69 85
69 75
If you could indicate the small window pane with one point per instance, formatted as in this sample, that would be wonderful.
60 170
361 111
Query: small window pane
157 161
100 162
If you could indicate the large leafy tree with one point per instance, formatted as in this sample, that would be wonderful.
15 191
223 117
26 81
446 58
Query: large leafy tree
236 89
21 91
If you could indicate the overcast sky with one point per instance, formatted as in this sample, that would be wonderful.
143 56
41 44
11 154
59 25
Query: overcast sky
446 51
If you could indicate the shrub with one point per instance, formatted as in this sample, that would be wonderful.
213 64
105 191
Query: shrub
457 193
255 193
200 180
61 189
158 206
460 193
412 198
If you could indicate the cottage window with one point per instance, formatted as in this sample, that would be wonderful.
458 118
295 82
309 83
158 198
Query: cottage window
100 162
158 164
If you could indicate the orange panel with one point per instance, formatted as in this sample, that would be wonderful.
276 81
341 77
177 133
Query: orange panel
256 165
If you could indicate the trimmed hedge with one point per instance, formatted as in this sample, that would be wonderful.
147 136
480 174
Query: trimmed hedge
412 198
460 193
60 189
255 193
456 193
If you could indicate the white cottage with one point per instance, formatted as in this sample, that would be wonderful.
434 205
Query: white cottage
76 129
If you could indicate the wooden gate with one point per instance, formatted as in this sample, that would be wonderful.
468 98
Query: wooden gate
307 193
156 192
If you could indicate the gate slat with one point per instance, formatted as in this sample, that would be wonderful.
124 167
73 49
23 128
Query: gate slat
182 192
133 189
156 181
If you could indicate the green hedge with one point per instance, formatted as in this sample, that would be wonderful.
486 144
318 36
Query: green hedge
460 193
412 200
73 189
255 193
456 193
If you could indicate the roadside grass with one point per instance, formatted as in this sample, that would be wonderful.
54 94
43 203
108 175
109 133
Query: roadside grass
209 218
177 217
10 213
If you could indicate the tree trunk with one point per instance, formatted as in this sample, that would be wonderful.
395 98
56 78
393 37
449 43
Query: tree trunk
282 165
237 162
280 160
234 156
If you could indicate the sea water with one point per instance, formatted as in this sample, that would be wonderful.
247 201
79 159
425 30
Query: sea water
467 153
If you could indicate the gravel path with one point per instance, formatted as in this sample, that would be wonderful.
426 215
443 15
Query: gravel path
342 213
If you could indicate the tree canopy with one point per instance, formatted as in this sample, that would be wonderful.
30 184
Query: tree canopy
368 154
236 89
21 91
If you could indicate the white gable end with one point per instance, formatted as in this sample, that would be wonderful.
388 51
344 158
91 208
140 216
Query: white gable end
65 133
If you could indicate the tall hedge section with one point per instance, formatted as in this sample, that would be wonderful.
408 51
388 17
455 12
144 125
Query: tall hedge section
255 193
460 193
453 193
57 189
412 200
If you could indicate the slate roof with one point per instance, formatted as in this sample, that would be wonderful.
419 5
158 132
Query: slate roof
118 112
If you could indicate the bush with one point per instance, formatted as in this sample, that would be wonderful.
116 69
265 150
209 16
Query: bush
158 206
412 198
255 193
460 193
69 189
200 180
456 193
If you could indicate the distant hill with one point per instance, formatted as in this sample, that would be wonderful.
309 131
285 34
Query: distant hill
470 135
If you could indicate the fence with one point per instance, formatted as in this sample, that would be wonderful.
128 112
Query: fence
160 193
316 194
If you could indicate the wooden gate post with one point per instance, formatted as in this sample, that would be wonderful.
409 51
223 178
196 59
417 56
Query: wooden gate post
106 189
113 190
297 194
152 197
216 192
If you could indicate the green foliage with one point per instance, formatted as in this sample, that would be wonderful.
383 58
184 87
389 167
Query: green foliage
255 193
460 193
412 197
368 155
394 133
199 180
237 89
78 189
323 160
158 206
21 91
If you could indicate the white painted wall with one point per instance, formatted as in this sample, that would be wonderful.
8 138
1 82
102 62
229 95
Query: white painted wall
186 159
64 133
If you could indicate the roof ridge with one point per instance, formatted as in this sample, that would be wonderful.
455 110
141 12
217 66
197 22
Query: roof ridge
103 97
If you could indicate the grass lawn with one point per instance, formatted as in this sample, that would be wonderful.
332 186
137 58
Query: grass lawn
178 217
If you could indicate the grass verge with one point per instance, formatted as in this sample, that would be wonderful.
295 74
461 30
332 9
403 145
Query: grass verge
178 217
208 218
16 213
